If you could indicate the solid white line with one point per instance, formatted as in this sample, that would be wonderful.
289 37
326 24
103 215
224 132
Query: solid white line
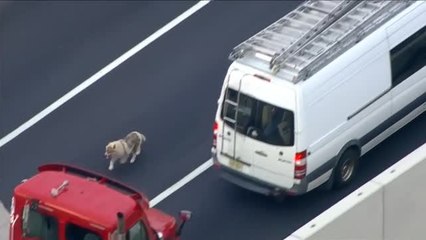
101 73
181 183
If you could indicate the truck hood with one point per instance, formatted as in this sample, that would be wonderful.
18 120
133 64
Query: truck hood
161 222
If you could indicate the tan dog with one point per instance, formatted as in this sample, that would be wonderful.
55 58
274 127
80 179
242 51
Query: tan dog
120 150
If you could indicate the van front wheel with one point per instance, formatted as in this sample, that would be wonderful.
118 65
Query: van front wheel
346 168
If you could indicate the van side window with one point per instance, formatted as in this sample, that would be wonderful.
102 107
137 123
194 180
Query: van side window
408 57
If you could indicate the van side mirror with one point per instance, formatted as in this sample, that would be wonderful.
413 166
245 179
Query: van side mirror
184 216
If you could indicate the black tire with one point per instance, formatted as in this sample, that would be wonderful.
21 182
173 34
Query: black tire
346 168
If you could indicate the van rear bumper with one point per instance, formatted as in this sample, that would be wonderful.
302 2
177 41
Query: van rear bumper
257 185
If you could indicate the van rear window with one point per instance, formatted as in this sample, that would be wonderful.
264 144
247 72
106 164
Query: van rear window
258 119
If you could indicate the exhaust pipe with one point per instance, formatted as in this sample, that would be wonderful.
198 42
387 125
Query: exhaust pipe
121 226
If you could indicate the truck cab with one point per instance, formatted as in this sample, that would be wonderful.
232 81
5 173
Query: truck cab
63 202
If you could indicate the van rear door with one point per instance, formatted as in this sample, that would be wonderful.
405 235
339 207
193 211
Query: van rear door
262 136
270 140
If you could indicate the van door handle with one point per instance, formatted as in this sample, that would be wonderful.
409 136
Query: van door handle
261 153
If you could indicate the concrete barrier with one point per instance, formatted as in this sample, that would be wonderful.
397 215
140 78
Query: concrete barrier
392 206
4 223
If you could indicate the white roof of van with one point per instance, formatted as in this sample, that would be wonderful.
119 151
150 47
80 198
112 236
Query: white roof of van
317 32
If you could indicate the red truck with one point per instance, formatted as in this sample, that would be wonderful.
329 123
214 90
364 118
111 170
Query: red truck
63 202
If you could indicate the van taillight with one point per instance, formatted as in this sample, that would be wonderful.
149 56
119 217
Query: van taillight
300 165
215 128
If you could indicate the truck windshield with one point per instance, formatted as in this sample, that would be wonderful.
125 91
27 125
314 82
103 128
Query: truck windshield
257 119
41 226
75 232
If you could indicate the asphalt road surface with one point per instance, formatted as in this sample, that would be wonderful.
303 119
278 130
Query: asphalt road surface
168 91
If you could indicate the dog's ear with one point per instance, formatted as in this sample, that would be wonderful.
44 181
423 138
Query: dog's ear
113 146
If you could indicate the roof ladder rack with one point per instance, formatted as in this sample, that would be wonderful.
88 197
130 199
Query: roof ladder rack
301 24
339 36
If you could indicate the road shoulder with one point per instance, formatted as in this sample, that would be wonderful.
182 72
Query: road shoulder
4 223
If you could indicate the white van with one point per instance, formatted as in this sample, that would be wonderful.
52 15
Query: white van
307 96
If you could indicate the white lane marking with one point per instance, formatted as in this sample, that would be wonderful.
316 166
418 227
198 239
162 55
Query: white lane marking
101 73
203 167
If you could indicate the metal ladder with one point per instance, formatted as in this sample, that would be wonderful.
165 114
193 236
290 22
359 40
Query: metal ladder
229 103
234 120
293 30
337 38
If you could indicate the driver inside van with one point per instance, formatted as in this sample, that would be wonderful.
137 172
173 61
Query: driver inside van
270 132
285 129
277 130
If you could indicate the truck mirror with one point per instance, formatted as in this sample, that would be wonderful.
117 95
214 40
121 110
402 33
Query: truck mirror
32 221
160 236
25 217
184 216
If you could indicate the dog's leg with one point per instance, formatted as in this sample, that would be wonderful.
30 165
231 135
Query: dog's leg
138 149
111 165
133 158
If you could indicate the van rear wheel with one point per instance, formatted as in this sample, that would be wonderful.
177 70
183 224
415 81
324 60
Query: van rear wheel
346 168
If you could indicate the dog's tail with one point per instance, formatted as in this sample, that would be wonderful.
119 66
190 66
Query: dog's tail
143 138
140 136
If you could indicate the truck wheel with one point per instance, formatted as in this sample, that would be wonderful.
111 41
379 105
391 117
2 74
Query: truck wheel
346 168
